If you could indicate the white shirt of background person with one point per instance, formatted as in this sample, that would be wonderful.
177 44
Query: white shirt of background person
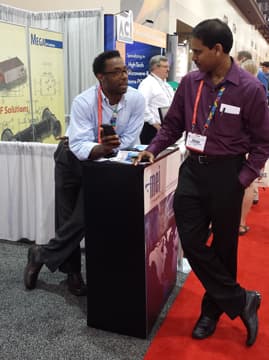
156 92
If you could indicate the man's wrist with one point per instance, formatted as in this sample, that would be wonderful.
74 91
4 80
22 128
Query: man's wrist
99 151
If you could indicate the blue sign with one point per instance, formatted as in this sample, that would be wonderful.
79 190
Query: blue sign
137 59
36 40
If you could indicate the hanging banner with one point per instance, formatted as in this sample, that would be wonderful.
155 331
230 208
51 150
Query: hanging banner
47 79
15 107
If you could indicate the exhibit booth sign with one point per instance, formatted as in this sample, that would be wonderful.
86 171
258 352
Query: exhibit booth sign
31 84
146 43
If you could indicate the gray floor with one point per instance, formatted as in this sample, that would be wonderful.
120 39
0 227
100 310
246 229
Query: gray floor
49 323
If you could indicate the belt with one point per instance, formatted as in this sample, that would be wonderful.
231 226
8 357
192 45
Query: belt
204 159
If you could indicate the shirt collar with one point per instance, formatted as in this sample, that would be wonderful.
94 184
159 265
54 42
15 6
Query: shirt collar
233 75
106 100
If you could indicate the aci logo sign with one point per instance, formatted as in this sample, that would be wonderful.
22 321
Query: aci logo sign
124 25
154 184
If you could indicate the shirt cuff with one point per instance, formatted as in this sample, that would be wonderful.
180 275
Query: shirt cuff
246 177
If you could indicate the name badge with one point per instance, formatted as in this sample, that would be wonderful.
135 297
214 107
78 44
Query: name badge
229 109
196 142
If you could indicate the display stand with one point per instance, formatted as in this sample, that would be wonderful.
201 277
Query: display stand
131 242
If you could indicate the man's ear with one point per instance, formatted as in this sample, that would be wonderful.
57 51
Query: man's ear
219 49
100 77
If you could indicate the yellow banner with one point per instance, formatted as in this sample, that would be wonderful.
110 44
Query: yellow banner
15 107
47 78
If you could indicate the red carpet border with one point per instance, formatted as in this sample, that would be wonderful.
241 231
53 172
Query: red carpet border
173 340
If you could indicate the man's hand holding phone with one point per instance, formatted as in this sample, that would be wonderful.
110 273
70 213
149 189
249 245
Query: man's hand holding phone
109 141
144 156
107 130
109 138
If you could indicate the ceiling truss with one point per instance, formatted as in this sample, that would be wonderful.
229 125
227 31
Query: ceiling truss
257 13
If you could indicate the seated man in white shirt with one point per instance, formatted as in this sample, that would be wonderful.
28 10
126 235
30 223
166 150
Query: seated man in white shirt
157 93
110 102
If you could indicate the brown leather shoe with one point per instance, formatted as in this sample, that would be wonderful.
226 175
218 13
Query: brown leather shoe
32 268
76 284
249 315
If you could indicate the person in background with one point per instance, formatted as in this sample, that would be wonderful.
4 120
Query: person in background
243 56
224 111
157 93
109 102
263 76
248 199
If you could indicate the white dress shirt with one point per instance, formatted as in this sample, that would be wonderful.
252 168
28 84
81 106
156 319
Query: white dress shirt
157 93
83 128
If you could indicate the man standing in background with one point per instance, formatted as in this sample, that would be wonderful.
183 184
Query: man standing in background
263 76
157 94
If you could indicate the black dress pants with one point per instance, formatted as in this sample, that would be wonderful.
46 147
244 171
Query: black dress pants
211 193
63 251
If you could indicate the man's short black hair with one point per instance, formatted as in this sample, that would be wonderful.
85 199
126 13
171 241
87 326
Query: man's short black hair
212 32
99 62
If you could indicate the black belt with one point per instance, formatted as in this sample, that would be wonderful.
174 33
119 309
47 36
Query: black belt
204 159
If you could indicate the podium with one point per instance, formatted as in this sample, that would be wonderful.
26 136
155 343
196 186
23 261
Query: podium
131 242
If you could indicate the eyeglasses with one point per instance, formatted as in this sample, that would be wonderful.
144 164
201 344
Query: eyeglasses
118 72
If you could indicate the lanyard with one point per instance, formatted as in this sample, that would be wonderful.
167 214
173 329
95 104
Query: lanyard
113 118
213 107
197 99
163 86
99 114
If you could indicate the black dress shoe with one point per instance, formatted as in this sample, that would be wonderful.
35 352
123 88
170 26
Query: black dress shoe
249 315
76 284
32 268
204 327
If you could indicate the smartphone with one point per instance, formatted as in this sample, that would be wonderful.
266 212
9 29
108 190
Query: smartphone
108 129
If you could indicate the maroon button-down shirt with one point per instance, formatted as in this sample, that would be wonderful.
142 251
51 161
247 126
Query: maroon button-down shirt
228 133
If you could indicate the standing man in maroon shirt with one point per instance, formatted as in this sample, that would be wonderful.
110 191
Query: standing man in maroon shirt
225 114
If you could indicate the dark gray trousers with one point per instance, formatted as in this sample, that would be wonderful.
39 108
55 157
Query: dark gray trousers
63 251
